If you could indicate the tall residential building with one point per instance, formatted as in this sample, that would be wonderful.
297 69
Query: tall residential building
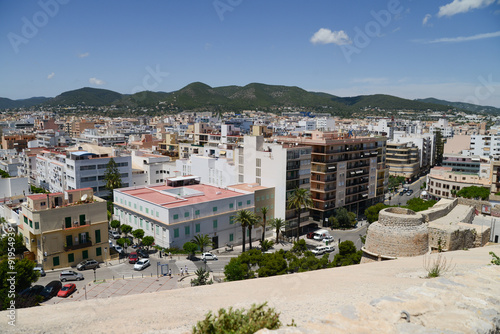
403 159
426 145
282 166
485 145
62 229
345 172
443 126
173 213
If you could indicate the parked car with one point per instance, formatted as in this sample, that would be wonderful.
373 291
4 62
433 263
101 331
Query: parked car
320 250
87 264
115 234
133 257
409 192
51 290
66 290
328 239
31 291
142 264
320 234
142 253
119 249
208 256
402 193
40 270
329 249
70 275
310 235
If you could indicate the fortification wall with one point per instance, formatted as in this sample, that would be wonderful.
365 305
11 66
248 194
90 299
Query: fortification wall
450 239
439 210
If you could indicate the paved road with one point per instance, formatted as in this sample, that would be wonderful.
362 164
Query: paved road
397 199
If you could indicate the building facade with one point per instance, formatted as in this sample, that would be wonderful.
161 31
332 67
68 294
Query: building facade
62 229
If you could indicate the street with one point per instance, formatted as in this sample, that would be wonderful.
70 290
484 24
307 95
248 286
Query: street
397 199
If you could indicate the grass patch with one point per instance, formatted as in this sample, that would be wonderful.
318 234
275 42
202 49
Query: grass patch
437 267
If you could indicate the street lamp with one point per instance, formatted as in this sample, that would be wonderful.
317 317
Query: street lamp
205 261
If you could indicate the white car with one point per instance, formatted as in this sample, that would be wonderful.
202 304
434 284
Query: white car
328 238
115 234
119 249
329 249
208 256
142 264
320 250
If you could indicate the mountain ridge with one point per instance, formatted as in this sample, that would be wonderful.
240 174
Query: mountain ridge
200 96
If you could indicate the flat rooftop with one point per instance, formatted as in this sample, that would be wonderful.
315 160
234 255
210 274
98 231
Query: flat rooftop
171 197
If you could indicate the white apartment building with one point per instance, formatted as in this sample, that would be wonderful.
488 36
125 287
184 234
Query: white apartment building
174 213
325 123
442 124
384 125
150 168
284 167
58 170
425 143
218 172
485 146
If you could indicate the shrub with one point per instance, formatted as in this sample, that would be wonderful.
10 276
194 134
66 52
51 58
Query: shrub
239 321
437 267
495 260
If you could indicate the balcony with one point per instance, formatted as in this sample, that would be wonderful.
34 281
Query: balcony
78 246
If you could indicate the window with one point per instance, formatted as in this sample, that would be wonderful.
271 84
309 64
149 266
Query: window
248 202
197 228
31 223
98 251
82 219
176 232
186 214
272 196
231 220
67 222
214 209
157 214
140 208
55 261
69 241
176 216
186 230
85 254
231 237
240 203
231 205
71 257
37 225
215 223
97 236
26 220
258 198
147 210
197 212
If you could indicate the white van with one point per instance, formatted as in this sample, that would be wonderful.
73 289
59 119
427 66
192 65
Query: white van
320 234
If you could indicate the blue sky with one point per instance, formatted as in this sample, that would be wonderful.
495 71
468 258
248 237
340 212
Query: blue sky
448 49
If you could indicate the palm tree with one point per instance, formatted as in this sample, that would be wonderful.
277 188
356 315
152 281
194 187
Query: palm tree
243 217
300 198
277 224
263 212
254 220
202 241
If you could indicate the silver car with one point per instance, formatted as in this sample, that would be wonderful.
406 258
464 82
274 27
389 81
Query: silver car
70 275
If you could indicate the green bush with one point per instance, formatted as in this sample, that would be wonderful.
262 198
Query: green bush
495 260
239 321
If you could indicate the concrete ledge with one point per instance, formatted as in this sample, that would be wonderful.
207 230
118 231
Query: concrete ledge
354 299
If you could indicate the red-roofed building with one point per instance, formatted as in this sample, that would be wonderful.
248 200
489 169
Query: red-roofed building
173 213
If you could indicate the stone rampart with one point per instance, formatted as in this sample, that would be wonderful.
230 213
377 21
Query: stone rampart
439 210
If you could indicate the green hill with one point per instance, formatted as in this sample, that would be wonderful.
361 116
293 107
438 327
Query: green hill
463 106
24 103
86 96
200 96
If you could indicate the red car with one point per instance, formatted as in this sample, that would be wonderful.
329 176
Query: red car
66 290
133 257
310 235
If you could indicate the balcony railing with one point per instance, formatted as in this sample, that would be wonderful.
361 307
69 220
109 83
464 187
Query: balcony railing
78 246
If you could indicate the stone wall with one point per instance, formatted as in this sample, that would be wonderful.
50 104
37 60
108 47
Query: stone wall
448 239
439 210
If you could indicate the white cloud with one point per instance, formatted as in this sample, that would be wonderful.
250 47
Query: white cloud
326 36
426 19
372 81
51 75
462 6
96 81
466 38
83 55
